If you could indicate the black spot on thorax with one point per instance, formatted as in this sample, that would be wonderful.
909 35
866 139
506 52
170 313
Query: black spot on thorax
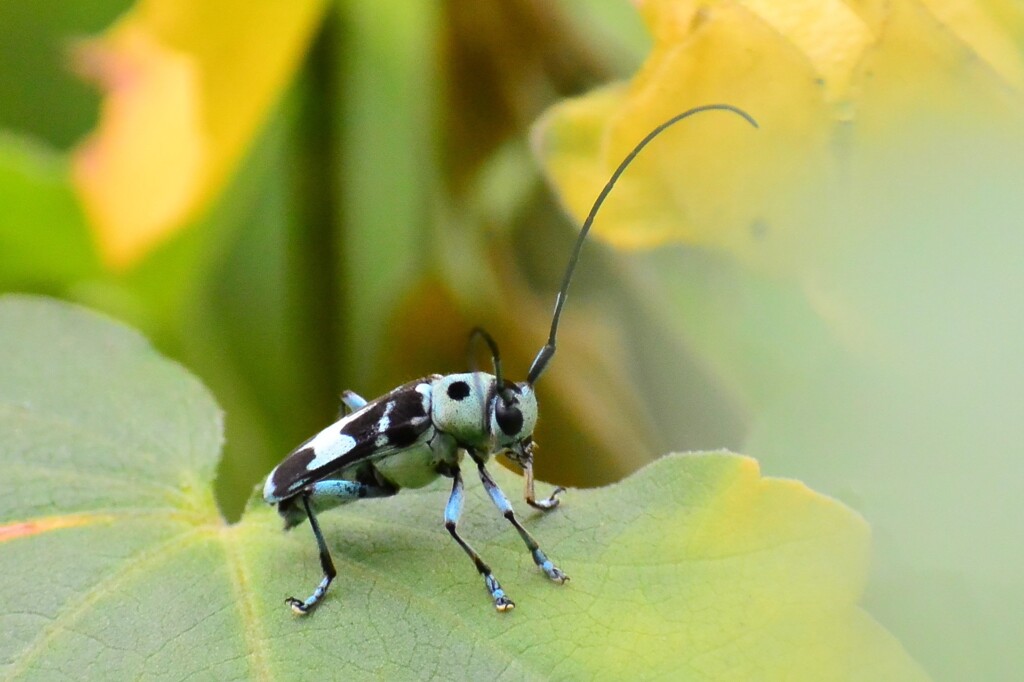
457 390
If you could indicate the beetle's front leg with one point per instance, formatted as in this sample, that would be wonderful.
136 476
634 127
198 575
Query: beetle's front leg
543 505
505 507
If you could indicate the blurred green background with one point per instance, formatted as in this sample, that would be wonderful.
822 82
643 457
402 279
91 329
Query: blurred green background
390 202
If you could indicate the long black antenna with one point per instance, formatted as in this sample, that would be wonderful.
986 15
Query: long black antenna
545 354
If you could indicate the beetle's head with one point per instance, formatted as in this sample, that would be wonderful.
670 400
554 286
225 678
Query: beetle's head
512 415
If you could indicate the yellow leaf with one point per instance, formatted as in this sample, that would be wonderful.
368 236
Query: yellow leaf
141 171
820 77
711 180
829 33
187 85
981 33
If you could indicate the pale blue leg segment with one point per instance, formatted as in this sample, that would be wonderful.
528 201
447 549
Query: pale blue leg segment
331 493
350 402
503 505
317 498
304 607
452 512
328 494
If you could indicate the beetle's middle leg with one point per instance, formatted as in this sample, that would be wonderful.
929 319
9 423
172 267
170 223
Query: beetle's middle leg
452 512
350 402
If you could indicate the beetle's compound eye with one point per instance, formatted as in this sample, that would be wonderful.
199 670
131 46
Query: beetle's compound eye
509 417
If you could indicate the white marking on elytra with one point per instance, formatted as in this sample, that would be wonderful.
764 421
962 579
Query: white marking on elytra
424 390
385 421
329 445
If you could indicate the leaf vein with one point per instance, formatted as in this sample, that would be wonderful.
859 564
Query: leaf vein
140 561
242 588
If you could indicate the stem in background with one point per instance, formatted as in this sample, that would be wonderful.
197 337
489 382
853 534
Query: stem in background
319 291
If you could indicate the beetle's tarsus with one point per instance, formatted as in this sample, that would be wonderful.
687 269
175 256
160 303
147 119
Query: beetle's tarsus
550 503
297 606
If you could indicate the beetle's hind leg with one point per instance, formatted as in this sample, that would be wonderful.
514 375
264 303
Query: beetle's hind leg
318 497
326 495
304 607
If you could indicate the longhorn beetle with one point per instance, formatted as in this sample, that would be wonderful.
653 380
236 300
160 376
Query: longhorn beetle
419 431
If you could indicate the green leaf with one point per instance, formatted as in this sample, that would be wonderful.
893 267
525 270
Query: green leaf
116 563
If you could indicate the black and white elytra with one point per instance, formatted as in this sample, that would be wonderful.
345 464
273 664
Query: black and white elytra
423 429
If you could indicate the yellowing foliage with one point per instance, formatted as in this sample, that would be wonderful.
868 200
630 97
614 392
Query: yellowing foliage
187 85
825 80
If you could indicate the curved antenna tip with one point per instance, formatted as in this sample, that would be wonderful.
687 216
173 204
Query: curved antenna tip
547 351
